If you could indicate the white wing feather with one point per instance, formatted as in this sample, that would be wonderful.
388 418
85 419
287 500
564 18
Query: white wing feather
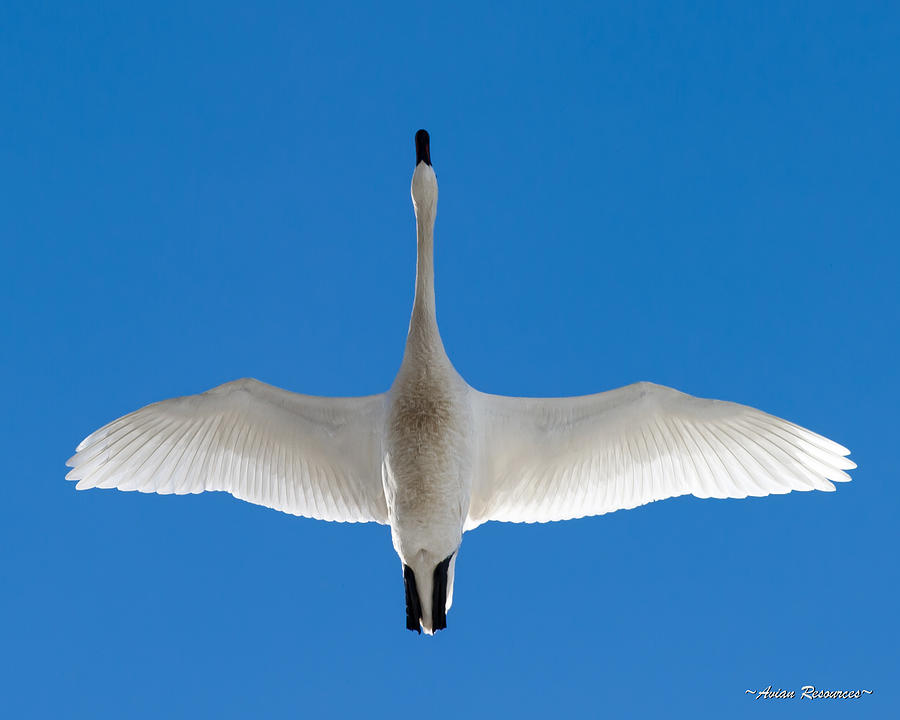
546 459
311 456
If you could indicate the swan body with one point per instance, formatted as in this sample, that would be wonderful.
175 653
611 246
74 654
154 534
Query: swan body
433 457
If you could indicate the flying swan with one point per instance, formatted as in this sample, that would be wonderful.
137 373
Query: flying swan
433 457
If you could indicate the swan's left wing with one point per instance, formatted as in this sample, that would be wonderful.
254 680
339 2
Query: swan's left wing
544 459
313 456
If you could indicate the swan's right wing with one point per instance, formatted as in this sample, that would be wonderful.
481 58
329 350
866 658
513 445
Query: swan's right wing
312 456
545 459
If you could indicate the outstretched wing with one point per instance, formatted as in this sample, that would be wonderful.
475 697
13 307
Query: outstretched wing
559 458
311 456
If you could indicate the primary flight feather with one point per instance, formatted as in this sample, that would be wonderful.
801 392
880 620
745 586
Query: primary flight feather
433 457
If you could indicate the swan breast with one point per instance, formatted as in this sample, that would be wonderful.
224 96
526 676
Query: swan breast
428 459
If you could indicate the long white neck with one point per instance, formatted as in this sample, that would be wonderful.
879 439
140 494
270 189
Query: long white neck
423 330
423 340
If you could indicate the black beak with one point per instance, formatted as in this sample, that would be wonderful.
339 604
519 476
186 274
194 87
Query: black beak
423 151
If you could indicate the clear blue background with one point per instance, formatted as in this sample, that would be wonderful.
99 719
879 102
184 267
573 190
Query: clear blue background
705 197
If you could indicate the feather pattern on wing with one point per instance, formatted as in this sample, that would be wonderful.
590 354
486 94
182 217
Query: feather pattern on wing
545 459
311 456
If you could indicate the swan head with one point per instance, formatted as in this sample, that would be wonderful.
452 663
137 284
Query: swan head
424 189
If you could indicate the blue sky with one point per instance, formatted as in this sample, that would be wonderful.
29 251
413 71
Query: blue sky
703 197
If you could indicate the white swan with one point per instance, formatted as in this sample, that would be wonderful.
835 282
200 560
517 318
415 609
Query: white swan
433 457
